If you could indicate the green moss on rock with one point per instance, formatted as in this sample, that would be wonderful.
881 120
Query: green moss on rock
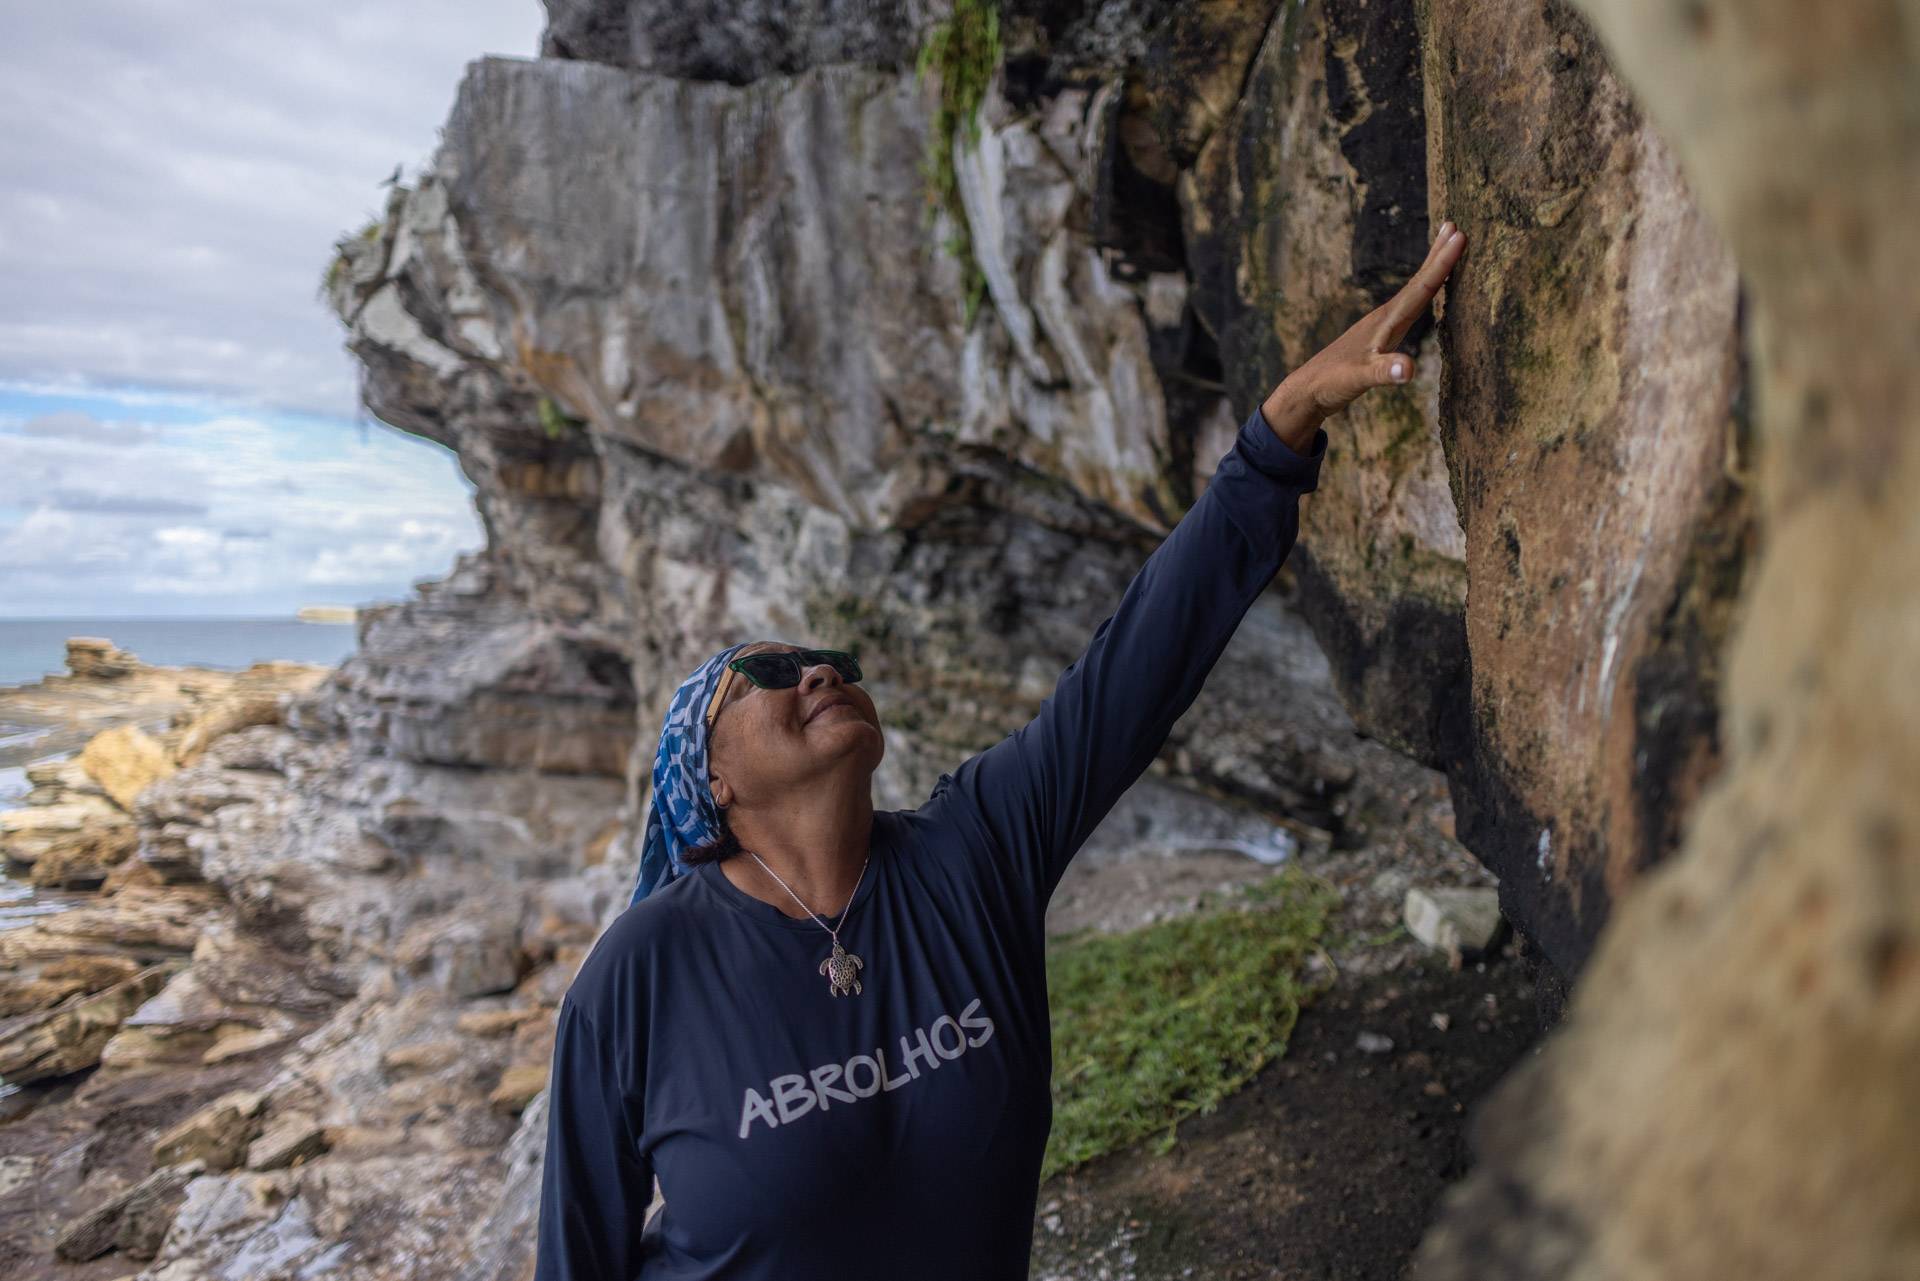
1155 1025
965 52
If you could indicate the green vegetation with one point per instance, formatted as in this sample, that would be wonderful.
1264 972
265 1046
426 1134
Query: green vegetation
1156 1025
555 421
965 51
1398 408
338 263
844 620
1392 934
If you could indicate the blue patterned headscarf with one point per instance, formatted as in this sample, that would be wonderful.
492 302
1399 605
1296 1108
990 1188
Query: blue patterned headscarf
683 816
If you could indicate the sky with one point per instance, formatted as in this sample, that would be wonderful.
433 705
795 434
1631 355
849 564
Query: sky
180 432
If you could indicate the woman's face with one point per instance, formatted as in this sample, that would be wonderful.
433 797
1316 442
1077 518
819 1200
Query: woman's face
764 745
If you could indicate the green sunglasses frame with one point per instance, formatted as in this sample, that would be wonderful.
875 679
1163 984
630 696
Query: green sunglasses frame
802 658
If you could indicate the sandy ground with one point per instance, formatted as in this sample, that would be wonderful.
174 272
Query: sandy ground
1331 1162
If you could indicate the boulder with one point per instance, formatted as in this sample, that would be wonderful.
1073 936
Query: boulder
238 1040
86 861
492 1023
422 1056
70 1037
124 761
518 1084
59 979
95 658
228 716
134 1222
217 1135
465 955
32 832
287 1139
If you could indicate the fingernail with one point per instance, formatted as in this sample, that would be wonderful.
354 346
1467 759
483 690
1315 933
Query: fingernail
1399 371
1445 227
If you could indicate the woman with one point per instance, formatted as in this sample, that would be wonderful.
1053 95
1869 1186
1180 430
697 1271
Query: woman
825 1028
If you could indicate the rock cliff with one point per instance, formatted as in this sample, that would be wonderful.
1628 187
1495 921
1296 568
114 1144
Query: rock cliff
677 295
671 292
1734 1092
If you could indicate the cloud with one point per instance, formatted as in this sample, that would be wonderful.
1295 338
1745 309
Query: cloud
55 544
74 461
125 504
69 424
217 514
176 178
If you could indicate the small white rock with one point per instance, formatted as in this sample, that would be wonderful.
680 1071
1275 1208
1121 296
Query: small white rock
1455 921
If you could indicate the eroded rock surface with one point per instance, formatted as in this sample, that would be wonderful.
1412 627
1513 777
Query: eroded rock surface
1733 1094
670 294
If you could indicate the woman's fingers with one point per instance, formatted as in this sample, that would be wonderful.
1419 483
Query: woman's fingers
1400 311
1365 356
1393 367
1350 379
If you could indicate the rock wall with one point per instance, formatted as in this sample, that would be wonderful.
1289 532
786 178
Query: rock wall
671 293
672 298
1524 566
1734 1092
706 363
1597 444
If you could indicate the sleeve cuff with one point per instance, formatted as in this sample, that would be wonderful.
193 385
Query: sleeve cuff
1273 458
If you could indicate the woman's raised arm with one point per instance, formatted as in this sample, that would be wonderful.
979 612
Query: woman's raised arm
1042 790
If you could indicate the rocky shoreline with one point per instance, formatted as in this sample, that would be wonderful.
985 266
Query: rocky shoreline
197 1026
116 904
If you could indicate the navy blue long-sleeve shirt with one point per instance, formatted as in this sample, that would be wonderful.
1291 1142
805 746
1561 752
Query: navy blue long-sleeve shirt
804 1136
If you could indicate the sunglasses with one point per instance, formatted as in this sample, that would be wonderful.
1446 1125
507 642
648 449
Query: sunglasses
782 669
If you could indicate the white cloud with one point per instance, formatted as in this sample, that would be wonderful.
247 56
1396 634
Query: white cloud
226 514
68 424
57 543
177 174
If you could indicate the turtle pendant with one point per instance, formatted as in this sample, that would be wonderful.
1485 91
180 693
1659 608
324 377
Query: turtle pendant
842 970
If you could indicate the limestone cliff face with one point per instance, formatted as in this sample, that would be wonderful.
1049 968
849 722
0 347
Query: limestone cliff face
1592 405
1733 1094
670 292
708 366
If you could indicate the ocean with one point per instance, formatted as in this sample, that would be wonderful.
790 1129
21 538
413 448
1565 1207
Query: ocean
34 647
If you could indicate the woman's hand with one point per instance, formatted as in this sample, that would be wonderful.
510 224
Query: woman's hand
1364 356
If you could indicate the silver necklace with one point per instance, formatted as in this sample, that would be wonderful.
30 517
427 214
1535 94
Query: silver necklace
842 967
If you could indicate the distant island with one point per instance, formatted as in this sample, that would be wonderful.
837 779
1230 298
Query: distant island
325 613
